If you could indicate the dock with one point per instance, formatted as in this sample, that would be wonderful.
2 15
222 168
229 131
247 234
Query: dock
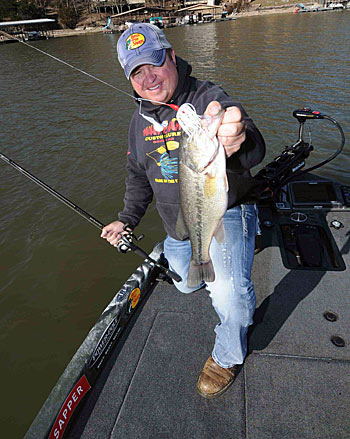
26 30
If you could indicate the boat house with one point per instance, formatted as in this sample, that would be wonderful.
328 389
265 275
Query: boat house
26 30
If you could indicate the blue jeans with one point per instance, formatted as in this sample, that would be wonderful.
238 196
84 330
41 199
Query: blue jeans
232 292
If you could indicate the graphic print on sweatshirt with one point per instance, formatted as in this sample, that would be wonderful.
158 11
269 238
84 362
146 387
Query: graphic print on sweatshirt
164 143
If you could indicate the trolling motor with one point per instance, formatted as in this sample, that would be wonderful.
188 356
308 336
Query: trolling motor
287 165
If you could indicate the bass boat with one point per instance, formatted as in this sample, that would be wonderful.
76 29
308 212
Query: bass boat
135 374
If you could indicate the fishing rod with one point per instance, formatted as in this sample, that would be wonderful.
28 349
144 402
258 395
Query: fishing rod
124 245
51 191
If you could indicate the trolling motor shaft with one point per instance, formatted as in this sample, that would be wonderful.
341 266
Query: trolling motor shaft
303 115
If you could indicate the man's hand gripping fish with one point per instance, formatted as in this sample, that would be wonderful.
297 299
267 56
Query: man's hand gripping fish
203 190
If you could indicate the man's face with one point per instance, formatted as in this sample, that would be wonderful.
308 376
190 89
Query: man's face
156 83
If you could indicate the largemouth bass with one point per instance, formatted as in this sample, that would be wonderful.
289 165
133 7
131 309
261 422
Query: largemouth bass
203 195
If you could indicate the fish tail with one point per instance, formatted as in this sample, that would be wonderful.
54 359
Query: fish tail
200 272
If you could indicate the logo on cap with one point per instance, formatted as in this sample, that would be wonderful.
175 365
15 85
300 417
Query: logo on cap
134 41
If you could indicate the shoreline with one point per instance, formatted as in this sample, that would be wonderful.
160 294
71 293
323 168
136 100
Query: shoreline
94 29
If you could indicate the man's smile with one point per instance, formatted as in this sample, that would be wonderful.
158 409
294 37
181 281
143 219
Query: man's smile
155 87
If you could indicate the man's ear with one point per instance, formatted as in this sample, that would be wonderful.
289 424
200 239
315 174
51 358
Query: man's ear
173 56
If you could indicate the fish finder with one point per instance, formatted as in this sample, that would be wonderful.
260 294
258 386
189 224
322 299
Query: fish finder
312 194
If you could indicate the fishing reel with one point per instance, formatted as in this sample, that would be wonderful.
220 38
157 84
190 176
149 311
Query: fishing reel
125 243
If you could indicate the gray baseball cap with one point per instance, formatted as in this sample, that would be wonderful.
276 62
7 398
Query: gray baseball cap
142 43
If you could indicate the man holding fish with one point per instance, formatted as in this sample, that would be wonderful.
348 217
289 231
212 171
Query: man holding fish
197 167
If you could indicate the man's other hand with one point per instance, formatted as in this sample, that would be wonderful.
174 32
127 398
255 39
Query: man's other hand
113 232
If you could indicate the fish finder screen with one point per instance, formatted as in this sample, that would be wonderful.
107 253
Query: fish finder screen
310 193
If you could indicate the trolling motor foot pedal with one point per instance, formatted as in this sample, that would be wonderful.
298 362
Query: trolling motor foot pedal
306 242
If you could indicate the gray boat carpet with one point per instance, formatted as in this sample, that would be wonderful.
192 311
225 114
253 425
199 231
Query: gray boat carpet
294 384
297 398
162 402
168 344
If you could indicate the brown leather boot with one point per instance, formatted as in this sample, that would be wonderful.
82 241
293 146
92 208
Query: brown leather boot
214 379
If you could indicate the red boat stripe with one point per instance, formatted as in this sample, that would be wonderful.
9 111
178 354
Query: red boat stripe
68 407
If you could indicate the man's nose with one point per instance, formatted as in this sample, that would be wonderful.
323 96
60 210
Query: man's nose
150 74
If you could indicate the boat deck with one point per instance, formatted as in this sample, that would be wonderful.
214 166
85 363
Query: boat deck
295 382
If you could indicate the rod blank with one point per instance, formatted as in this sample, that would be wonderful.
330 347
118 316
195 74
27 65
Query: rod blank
56 194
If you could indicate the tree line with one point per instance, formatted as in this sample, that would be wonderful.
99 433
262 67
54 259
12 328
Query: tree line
68 11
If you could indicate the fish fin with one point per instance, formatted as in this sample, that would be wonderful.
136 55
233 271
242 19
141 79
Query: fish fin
220 232
181 229
200 272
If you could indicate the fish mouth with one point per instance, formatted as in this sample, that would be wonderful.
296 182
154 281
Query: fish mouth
210 124
200 170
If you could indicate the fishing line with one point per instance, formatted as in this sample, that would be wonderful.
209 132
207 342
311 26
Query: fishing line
174 107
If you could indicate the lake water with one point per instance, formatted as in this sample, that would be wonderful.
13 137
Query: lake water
71 132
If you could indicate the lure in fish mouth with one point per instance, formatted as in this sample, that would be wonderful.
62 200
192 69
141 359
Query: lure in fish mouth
203 193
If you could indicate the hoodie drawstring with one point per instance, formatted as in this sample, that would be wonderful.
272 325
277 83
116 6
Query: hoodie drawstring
156 125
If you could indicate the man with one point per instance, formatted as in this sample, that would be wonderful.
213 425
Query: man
158 76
